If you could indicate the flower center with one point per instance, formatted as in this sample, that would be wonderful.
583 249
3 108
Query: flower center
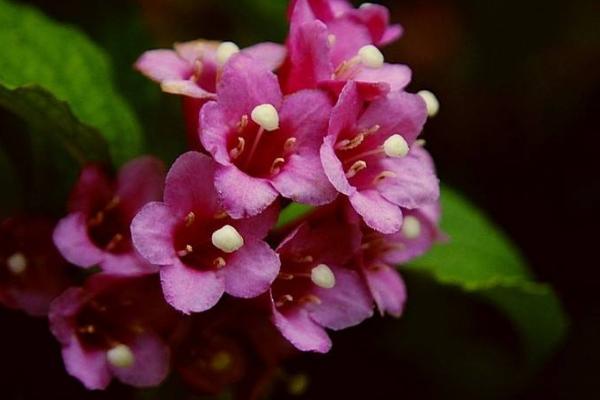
109 228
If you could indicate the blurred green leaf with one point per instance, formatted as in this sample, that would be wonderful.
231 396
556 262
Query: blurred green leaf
480 259
54 77
292 212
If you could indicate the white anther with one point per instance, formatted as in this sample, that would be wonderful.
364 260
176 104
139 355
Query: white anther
365 5
120 356
395 146
370 56
432 103
411 227
322 276
227 239
225 51
331 39
266 116
17 263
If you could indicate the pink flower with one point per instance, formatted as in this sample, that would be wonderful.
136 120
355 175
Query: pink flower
32 272
114 327
265 144
202 251
314 290
96 232
329 45
194 68
369 155
381 254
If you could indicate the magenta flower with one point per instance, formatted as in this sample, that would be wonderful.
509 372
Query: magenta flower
369 156
327 47
382 253
96 232
194 68
202 251
32 272
113 327
314 290
266 145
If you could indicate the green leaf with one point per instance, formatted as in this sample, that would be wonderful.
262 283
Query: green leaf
480 259
52 76
292 212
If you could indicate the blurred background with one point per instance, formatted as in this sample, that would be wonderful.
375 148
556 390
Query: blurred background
519 86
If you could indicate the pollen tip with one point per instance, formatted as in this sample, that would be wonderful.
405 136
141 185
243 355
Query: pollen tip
266 116
411 227
120 356
431 102
17 263
225 51
395 146
227 239
370 56
323 276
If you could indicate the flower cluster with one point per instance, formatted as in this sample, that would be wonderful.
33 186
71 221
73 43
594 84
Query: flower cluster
196 274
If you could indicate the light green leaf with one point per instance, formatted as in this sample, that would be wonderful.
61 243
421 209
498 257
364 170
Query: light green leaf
52 76
292 212
480 259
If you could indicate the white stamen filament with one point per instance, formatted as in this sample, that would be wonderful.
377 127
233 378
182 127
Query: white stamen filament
120 356
227 239
17 263
225 51
370 56
266 116
432 103
395 146
322 276
411 228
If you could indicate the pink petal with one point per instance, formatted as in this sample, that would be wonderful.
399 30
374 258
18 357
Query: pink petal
93 188
140 181
400 112
246 84
269 55
397 76
190 290
186 88
216 126
188 185
72 240
130 264
251 270
377 212
243 195
160 65
345 113
387 288
297 327
414 184
347 304
197 49
62 309
333 168
258 227
303 180
152 233
90 367
151 365
350 35
305 116
391 34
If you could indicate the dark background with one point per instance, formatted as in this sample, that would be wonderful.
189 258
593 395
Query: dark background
517 132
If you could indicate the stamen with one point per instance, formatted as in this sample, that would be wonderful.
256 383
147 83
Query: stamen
222 361
383 175
17 263
198 66
286 298
87 329
411 227
322 276
420 142
348 144
219 262
189 219
395 146
227 239
276 166
114 202
365 5
188 249
431 102
370 56
266 116
289 145
96 219
242 124
225 51
355 168
310 298
239 148
120 356
114 241
304 259
221 215
285 276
